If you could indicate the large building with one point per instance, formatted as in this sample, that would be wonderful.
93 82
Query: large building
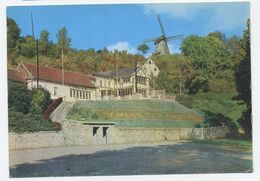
73 86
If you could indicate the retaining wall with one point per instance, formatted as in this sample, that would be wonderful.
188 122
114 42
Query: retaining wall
35 140
78 133
142 135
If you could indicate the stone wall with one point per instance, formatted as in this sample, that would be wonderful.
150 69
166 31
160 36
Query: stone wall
79 133
142 135
35 140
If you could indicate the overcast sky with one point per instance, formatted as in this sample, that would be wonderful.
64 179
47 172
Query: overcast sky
126 26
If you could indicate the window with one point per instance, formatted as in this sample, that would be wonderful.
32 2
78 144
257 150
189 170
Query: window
55 91
126 79
100 83
70 92
150 62
155 69
108 83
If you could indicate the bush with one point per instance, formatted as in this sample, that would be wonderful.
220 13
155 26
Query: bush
18 122
40 100
19 97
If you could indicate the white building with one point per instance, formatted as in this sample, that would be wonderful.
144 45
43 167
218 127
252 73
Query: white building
76 86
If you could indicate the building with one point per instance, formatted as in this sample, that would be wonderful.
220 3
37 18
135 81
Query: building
76 86
126 81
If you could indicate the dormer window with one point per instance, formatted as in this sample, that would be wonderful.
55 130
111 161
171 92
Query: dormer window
155 69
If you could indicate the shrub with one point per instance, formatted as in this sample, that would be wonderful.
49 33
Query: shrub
18 122
40 100
19 97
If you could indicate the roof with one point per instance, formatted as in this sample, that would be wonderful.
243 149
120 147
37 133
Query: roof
16 75
55 75
119 73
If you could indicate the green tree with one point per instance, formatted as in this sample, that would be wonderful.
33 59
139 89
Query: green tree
209 55
27 47
217 34
63 39
143 48
13 33
40 100
243 82
19 97
44 44
236 50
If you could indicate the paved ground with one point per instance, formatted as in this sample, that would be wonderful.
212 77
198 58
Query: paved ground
181 158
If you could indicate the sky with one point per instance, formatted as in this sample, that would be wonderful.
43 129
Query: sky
125 26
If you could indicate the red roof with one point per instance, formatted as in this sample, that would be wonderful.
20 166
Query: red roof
17 75
55 75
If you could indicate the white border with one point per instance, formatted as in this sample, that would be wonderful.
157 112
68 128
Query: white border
255 49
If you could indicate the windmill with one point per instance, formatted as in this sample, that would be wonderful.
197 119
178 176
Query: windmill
161 42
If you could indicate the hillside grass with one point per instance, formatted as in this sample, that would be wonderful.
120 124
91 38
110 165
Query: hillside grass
216 108
136 113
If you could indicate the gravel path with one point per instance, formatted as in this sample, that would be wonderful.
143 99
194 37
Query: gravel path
168 158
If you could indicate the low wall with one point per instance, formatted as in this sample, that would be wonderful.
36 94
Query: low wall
142 135
78 133
35 140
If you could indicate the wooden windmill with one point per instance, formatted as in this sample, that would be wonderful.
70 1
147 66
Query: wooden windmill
161 42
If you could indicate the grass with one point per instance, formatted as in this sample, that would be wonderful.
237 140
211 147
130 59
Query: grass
216 108
136 113
237 144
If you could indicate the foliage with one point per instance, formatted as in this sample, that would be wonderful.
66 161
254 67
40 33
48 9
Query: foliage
63 39
209 55
175 71
40 100
143 48
19 97
44 44
218 109
13 33
19 122
27 46
243 82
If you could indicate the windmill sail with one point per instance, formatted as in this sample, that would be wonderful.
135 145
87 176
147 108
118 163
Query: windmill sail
161 42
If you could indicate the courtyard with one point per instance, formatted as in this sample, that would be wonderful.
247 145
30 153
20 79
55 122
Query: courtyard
145 159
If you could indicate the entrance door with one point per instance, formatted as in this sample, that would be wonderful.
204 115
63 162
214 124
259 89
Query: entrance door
105 135
95 136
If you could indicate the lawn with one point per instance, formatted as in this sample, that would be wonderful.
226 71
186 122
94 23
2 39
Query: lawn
238 144
136 113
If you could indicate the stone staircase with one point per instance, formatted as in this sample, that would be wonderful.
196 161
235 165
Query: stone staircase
59 114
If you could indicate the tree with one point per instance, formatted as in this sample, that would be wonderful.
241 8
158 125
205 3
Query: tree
44 44
217 34
13 33
243 82
209 55
19 97
40 100
143 48
63 39
236 50
27 47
